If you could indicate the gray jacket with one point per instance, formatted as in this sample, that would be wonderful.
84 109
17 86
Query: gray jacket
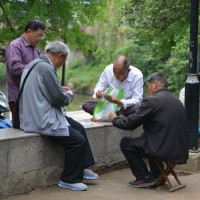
41 100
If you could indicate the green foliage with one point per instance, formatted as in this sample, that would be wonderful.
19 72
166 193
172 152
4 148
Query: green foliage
146 56
2 73
64 20
163 47
159 20
153 34
160 37
83 77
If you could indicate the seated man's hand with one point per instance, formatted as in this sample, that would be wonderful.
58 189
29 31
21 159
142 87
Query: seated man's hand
65 88
99 94
114 100
112 115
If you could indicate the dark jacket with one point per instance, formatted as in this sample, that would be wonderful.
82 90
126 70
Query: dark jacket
166 132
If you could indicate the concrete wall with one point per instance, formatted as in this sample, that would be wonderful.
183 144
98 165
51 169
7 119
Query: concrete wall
29 161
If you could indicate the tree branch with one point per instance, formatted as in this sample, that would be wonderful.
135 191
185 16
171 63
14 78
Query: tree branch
8 21
159 27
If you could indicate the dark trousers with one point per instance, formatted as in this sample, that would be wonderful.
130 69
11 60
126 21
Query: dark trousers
136 162
78 154
88 106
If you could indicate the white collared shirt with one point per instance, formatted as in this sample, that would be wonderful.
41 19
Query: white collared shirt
132 85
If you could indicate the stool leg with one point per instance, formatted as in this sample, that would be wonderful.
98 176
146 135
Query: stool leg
164 174
172 187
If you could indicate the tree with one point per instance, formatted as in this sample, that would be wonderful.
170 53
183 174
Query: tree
145 33
159 20
63 19
167 24
104 53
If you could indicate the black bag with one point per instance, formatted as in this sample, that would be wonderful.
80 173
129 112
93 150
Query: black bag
16 123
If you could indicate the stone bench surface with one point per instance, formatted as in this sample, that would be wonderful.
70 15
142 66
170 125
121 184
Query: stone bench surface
80 116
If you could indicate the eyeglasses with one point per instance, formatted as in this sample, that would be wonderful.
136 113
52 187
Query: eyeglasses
119 72
40 37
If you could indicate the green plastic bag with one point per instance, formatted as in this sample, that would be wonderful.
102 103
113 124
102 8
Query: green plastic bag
103 108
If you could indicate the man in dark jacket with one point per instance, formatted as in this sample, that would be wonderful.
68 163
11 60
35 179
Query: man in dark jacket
166 133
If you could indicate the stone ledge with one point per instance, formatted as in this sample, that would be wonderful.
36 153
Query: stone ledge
193 163
14 134
29 160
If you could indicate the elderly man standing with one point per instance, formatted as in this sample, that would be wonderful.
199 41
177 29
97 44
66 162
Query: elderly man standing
19 53
165 136
119 75
41 112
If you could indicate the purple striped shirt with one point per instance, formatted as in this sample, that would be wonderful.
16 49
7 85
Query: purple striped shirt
19 53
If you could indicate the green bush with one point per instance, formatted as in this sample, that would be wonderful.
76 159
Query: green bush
2 73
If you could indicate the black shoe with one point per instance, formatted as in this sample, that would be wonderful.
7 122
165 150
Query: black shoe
161 182
142 183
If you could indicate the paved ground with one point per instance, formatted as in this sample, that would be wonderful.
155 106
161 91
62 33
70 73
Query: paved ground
113 186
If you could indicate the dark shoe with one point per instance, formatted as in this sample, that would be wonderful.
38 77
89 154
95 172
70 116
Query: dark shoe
143 183
161 182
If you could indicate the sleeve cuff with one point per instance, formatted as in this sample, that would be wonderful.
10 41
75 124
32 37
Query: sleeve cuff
124 104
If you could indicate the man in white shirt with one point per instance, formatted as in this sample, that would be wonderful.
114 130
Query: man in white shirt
119 75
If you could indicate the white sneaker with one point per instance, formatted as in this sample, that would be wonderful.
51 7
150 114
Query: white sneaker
88 174
73 186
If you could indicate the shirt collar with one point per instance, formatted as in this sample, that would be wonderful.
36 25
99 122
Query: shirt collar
50 62
130 76
162 89
26 42
43 57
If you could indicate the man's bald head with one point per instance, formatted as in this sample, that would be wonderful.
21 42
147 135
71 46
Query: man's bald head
123 60
121 67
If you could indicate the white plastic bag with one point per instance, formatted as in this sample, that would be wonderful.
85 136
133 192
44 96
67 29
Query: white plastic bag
103 108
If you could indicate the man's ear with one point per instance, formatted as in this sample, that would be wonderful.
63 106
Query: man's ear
29 30
60 55
155 84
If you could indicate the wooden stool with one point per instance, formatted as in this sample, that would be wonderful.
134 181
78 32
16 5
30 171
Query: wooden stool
164 174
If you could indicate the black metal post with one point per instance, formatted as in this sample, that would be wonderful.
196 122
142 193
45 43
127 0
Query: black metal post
63 75
192 82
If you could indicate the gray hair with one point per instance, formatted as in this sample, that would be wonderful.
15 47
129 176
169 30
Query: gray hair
159 78
126 61
57 47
